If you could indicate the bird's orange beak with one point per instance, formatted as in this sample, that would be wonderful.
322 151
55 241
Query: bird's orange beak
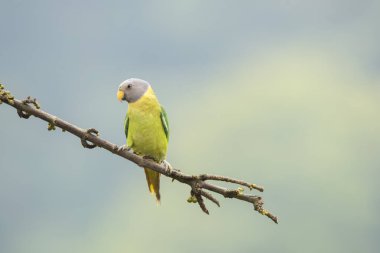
120 95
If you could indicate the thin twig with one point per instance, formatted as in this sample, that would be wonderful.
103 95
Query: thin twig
201 203
210 197
205 177
90 139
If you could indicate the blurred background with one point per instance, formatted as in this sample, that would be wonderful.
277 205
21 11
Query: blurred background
285 94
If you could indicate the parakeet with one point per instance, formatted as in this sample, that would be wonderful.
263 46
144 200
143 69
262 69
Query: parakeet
146 126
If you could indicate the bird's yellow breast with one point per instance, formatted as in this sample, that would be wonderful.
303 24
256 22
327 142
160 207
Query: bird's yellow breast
146 135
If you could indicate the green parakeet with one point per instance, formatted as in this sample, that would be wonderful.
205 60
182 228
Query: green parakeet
146 126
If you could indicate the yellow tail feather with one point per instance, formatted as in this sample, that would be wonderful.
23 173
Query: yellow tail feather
153 179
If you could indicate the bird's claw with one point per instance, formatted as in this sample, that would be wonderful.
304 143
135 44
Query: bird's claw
148 158
167 166
124 147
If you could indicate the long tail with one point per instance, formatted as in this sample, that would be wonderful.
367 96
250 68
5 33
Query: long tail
153 179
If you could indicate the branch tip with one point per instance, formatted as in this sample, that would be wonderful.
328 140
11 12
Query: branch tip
258 206
201 203
254 186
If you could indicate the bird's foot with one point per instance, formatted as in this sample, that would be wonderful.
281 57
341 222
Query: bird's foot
149 158
167 166
125 147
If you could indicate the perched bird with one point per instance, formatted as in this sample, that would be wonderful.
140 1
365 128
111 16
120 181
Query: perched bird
146 127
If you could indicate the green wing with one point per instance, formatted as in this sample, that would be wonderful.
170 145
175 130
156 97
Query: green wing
165 122
126 125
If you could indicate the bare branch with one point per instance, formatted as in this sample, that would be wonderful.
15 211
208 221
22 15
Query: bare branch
205 177
90 139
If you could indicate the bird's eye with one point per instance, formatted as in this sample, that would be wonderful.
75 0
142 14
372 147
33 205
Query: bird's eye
129 86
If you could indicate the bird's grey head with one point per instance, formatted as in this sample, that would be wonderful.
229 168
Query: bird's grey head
132 89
